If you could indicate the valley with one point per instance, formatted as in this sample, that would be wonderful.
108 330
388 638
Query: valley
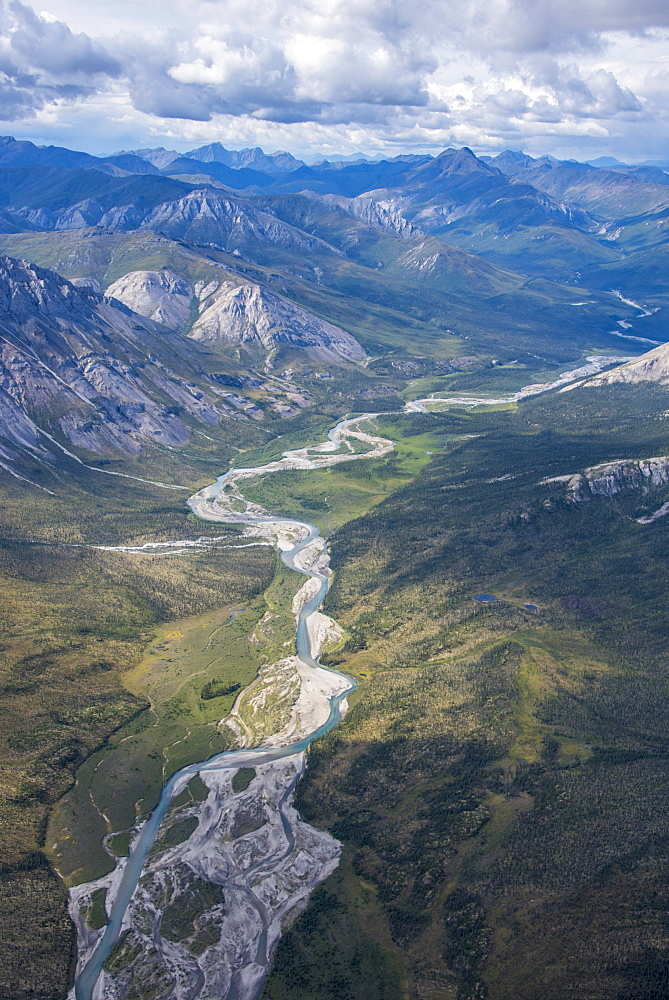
294 691
507 723
428 379
536 650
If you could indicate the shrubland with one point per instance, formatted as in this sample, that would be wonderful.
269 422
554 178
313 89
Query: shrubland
75 620
500 782
498 769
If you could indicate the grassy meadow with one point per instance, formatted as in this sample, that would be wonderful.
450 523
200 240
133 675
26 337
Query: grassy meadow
75 619
332 496
118 668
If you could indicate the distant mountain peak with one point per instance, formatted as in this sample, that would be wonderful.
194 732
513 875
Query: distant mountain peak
254 157
159 157
23 152
212 152
462 160
605 161
512 156
456 153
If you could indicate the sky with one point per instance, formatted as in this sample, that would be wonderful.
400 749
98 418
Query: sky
319 77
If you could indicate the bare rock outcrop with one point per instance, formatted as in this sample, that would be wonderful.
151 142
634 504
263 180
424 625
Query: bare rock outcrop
162 296
377 211
81 368
251 314
650 367
646 475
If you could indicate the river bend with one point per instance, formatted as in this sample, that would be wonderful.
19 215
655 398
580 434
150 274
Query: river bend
268 873
253 844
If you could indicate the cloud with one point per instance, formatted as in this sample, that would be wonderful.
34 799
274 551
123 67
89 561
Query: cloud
52 47
43 62
324 61
292 63
382 72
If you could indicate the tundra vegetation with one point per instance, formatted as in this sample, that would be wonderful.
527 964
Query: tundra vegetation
75 620
500 784
482 739
118 667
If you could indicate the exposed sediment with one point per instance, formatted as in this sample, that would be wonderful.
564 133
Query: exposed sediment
207 913
204 915
566 381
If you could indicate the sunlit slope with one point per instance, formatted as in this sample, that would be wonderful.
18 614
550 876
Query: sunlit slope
424 293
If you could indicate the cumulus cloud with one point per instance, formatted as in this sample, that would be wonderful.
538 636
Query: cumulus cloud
380 69
290 63
323 62
43 61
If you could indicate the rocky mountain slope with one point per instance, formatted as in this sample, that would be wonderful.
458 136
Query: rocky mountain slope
650 367
228 312
377 213
200 215
494 194
80 370
249 313
606 193
87 364
162 296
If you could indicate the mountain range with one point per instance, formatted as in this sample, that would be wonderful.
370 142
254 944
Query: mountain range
561 220
171 268
84 371
500 572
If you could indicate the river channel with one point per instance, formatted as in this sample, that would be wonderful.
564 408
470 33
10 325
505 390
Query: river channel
222 502
216 503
